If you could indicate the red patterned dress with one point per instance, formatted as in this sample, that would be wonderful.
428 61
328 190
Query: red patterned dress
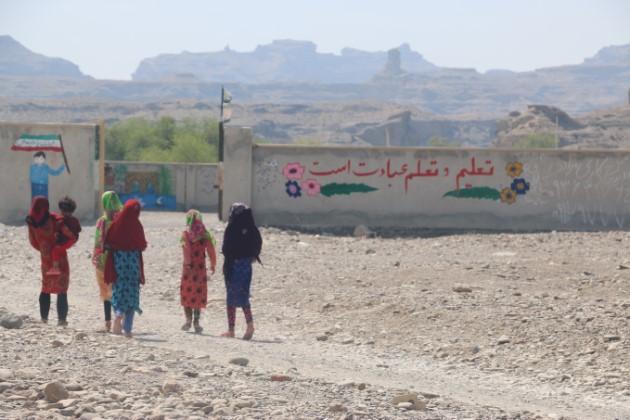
44 239
194 288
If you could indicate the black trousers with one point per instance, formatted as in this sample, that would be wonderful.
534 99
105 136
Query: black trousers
62 305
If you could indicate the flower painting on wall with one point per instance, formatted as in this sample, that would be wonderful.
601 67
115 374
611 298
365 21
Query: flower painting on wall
295 187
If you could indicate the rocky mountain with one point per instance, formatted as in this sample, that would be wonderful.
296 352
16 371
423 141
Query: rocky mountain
399 75
401 96
16 60
281 61
605 128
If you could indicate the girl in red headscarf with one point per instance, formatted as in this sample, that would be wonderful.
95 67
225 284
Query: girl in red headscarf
124 268
42 234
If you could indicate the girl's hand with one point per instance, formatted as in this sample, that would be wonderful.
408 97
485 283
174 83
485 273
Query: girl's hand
212 270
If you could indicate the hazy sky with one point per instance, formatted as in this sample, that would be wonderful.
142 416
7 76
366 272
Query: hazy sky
107 39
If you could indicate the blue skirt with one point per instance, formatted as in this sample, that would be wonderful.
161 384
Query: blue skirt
126 289
237 284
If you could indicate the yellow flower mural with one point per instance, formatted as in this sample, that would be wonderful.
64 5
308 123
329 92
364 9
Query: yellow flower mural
508 195
514 169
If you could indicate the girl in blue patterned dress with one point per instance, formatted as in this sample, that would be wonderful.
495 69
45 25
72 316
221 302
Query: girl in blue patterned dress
124 268
242 244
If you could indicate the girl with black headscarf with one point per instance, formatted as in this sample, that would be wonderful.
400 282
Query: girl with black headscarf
242 244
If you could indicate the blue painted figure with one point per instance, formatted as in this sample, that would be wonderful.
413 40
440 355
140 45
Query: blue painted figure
39 175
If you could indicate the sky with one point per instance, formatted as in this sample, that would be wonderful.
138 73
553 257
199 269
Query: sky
108 39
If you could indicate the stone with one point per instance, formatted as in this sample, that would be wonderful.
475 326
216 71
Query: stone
611 337
27 373
55 391
337 408
170 387
411 398
277 377
239 361
462 289
5 374
11 321
406 405
321 337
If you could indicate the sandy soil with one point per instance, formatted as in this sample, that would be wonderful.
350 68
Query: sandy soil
478 325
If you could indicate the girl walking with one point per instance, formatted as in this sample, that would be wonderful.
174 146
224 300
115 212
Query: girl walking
124 268
112 207
196 241
242 244
43 228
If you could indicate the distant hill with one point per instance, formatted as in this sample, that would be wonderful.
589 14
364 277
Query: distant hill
16 60
287 72
288 92
281 61
607 128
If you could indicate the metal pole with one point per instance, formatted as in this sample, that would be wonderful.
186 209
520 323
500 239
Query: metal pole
220 165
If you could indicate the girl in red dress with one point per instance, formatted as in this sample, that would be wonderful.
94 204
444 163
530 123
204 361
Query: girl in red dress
196 242
43 227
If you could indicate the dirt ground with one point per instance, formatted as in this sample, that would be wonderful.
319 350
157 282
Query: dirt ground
478 325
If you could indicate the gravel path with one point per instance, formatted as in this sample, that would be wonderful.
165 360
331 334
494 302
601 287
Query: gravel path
476 325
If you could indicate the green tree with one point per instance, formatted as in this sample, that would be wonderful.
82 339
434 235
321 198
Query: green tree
537 141
166 129
165 140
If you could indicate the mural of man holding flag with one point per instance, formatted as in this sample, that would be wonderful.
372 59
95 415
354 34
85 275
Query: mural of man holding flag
39 175
40 170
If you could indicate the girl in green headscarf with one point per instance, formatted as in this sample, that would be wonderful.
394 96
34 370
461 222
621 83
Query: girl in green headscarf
112 207
196 241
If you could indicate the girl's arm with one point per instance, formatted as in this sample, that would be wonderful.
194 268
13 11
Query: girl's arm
98 259
212 254
31 238
186 249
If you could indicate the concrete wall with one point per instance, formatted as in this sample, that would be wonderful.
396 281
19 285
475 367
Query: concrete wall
237 168
79 141
165 186
428 188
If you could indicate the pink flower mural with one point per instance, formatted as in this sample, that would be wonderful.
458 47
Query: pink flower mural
293 171
311 187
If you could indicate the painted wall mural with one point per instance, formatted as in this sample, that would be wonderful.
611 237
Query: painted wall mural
294 173
508 195
39 170
154 189
302 180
